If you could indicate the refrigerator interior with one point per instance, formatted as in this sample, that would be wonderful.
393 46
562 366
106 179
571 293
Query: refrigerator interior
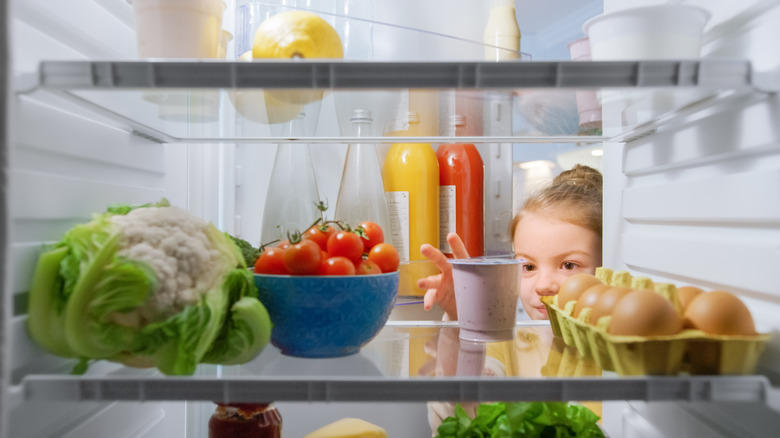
694 199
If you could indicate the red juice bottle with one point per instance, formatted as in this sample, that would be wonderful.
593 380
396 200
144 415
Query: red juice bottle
461 193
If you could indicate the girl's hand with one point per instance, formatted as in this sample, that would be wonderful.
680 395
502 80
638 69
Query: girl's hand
439 287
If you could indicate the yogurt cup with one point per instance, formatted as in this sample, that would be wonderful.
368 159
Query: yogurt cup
588 104
667 31
486 294
178 28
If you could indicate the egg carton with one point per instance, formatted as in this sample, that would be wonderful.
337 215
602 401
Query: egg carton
565 361
690 351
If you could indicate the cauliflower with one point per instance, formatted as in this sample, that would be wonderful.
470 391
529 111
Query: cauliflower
147 286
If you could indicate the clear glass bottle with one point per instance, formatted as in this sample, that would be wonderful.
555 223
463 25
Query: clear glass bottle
292 199
362 194
354 24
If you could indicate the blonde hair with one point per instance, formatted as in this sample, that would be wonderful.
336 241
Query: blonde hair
574 196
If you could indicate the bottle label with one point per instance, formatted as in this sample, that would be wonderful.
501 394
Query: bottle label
448 221
398 210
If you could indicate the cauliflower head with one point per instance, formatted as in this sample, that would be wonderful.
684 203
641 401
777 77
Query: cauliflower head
149 285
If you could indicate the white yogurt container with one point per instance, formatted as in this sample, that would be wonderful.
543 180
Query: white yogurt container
178 28
650 32
486 296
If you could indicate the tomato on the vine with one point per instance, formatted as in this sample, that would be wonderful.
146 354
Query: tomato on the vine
386 256
303 258
318 236
346 244
271 261
374 234
337 266
284 244
367 267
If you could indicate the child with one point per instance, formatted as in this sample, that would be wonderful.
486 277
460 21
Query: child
557 233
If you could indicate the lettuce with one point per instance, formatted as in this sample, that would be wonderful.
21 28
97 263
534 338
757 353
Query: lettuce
522 419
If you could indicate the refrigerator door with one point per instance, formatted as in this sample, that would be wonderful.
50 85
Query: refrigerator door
697 202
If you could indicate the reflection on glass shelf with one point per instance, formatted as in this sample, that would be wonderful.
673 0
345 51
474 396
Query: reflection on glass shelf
414 350
551 102
274 363
214 116
419 361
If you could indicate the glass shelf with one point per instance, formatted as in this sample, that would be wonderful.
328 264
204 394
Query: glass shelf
408 361
215 101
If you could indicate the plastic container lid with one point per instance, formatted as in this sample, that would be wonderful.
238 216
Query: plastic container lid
486 261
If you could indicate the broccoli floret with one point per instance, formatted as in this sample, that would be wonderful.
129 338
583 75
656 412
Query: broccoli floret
249 252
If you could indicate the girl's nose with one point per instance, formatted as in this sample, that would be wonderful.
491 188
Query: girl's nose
546 284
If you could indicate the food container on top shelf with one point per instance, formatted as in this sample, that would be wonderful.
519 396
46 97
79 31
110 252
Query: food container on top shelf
588 105
326 316
650 32
669 31
178 28
194 105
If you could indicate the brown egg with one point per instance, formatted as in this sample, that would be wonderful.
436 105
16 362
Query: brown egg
589 297
607 302
644 313
574 286
719 313
686 294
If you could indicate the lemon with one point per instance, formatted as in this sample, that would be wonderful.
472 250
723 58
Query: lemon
296 34
261 106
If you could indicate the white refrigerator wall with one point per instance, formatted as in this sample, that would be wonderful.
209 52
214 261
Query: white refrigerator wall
66 163
699 203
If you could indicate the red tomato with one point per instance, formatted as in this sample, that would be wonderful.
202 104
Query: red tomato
374 234
386 256
271 261
303 258
346 244
320 237
337 266
367 267
284 244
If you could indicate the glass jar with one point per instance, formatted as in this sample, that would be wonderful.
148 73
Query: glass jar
245 420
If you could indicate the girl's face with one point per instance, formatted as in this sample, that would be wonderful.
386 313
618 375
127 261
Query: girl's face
552 250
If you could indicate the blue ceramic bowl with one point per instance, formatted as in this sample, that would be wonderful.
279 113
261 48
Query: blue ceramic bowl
326 316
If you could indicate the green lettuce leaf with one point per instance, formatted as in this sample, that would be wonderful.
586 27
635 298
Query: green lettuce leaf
522 419
107 284
244 336
45 319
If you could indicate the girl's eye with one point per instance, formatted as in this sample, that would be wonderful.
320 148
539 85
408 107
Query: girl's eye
569 266
528 267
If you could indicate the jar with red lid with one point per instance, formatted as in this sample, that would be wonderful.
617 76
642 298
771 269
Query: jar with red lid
245 420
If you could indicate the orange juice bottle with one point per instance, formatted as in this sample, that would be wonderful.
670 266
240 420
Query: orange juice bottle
411 179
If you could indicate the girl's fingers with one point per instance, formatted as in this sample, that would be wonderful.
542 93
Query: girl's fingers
429 299
435 256
430 282
457 245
